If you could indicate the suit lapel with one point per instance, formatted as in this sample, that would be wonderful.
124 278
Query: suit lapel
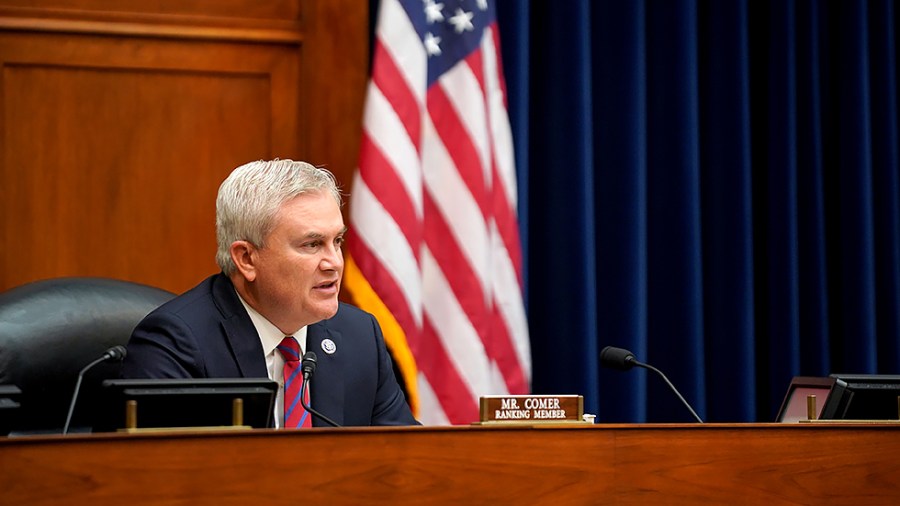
239 330
327 390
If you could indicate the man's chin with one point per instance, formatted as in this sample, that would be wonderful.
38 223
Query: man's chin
328 311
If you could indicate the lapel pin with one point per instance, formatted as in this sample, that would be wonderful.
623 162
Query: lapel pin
328 346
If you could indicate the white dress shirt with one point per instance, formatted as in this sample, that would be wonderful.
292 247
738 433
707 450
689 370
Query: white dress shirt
270 337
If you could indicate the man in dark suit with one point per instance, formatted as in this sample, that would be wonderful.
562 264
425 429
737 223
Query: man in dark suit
279 230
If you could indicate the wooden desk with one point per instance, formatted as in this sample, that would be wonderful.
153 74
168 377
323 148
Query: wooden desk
609 464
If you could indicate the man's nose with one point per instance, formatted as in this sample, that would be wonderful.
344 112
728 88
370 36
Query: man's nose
333 258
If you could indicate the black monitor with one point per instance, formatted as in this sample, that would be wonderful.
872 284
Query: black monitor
843 397
10 398
863 397
794 407
177 403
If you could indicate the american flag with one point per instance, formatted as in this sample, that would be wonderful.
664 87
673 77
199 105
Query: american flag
434 247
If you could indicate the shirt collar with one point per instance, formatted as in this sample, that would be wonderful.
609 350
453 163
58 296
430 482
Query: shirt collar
269 335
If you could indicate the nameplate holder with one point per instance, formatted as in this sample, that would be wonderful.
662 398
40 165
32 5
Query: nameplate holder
531 409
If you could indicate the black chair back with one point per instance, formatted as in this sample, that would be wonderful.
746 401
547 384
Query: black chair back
51 329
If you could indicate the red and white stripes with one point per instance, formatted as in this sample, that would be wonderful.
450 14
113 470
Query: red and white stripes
433 221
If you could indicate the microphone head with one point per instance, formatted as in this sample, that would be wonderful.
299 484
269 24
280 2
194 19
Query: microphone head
617 358
115 353
308 365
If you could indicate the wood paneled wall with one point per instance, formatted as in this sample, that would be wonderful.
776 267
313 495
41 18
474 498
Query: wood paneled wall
120 118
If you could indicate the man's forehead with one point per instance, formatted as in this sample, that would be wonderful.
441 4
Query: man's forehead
318 225
317 205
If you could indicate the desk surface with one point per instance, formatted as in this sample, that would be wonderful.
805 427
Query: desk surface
609 464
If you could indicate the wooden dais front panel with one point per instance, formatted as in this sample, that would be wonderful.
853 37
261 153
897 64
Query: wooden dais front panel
619 464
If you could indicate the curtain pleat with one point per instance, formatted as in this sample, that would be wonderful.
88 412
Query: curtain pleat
561 245
727 208
619 69
886 183
675 289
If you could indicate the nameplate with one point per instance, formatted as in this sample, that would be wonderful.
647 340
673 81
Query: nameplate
532 408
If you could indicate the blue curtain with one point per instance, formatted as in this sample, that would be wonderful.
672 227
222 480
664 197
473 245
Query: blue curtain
711 184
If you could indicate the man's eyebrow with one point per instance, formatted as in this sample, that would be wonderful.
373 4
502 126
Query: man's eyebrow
320 235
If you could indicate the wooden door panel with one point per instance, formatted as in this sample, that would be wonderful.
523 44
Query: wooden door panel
113 155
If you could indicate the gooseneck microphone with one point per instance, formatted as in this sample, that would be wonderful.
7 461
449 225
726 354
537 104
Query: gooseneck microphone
623 360
308 367
115 353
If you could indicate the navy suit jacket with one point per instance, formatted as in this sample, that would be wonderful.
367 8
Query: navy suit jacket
207 333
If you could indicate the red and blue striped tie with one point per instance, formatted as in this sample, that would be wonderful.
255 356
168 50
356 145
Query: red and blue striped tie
294 414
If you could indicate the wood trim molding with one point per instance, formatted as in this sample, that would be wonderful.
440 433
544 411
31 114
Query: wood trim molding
153 30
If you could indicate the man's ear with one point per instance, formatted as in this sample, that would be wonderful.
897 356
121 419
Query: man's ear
244 255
